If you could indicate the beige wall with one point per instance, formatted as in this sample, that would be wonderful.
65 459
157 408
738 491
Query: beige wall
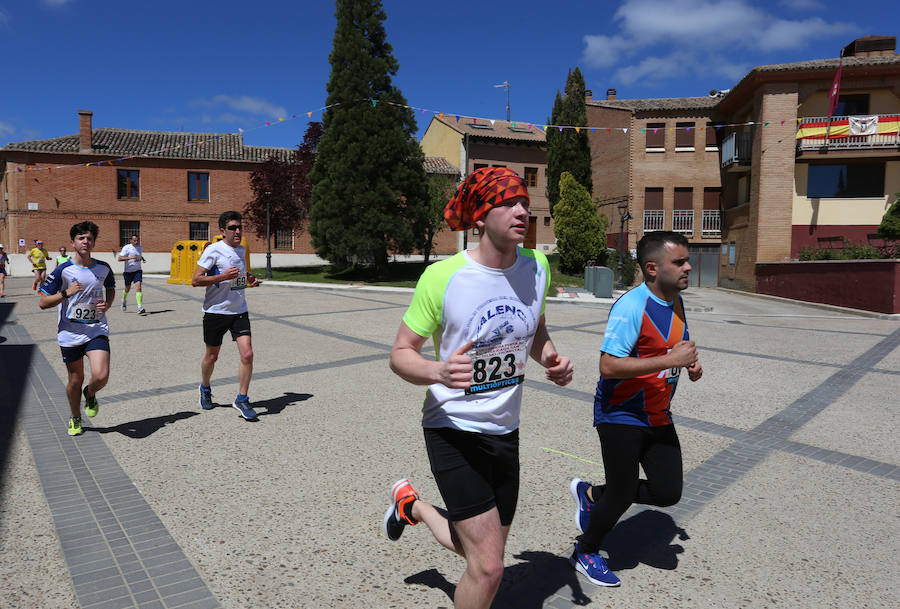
441 140
881 101
839 212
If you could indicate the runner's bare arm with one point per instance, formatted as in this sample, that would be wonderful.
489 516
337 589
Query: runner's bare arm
408 363
559 368
201 279
682 355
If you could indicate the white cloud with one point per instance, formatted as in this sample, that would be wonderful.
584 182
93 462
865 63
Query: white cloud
795 34
698 27
252 106
4 19
55 3
6 130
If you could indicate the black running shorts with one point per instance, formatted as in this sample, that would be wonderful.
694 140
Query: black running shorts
475 472
215 325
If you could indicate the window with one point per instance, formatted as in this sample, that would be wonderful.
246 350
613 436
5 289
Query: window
480 165
654 219
546 220
683 214
711 226
481 126
684 136
127 183
284 240
656 137
732 253
846 181
852 105
198 186
711 143
126 229
531 177
199 231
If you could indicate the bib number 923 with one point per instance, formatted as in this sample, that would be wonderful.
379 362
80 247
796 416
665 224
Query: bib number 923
84 315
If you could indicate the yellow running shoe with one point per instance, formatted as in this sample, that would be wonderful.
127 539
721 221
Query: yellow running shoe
75 428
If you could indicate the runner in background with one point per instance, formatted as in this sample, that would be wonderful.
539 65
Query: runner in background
132 256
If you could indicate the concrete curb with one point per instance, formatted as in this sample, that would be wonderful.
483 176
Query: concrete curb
816 305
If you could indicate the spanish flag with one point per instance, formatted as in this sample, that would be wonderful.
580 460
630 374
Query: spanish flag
887 125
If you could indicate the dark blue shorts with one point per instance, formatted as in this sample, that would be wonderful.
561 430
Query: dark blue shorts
73 354
132 277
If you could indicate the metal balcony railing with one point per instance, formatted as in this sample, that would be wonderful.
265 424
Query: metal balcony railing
683 221
737 148
848 132
654 219
711 223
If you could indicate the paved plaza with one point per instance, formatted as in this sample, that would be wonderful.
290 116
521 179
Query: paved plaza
792 472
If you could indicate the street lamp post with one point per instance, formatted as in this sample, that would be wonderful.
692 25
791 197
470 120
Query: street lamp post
268 237
624 217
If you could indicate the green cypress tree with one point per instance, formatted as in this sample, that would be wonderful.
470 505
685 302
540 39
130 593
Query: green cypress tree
369 192
890 223
568 150
580 230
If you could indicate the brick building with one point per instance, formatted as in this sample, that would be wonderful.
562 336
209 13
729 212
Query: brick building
164 186
799 178
469 144
658 162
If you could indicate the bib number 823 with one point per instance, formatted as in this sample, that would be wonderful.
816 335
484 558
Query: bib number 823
490 370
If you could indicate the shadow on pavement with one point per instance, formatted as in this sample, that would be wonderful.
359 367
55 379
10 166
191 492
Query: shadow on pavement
160 311
645 538
15 361
144 427
276 405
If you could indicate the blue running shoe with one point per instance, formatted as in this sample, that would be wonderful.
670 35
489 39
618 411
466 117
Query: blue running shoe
593 566
206 402
243 407
579 490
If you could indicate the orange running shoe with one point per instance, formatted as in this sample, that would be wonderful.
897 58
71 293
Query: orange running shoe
395 519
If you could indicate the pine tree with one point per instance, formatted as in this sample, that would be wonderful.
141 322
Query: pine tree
369 192
568 150
580 230
287 183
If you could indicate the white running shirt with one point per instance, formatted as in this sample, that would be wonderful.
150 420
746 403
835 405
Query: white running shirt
130 250
225 297
458 299
78 318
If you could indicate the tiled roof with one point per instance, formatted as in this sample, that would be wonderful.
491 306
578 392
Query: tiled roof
157 144
822 65
496 129
438 164
662 103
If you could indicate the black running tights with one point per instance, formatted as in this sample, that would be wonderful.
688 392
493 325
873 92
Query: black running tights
657 450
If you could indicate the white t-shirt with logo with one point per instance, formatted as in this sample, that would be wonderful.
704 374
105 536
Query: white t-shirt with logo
130 250
78 318
225 297
457 300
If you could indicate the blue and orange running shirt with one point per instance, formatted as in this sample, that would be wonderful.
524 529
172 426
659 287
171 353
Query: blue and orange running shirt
640 325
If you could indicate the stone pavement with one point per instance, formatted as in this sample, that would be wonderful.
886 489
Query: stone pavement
792 475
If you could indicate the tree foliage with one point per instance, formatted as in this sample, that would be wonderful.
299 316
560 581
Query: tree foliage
568 150
369 191
580 230
890 223
287 182
440 190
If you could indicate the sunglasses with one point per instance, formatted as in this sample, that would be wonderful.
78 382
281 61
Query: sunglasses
234 227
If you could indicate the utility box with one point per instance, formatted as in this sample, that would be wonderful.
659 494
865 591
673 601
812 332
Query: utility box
185 255
603 282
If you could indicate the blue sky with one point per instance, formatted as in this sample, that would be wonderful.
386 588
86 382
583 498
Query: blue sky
221 65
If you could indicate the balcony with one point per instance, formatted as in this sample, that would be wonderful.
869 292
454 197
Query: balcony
711 223
876 131
737 148
654 219
683 222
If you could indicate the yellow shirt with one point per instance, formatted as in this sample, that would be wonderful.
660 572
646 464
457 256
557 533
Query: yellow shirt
39 258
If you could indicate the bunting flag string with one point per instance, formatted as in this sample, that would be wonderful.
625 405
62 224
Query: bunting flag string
475 120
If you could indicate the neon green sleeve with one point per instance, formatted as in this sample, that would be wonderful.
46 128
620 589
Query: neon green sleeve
426 311
542 260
